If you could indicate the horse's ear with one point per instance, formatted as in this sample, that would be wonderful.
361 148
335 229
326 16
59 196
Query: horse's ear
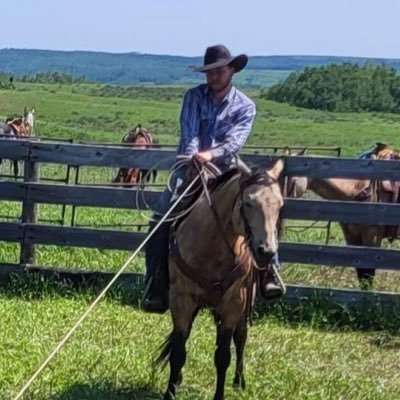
33 110
277 169
286 151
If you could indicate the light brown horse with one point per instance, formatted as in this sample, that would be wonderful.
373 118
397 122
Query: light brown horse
351 190
211 265
140 138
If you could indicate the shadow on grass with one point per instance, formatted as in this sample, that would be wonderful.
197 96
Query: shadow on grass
36 286
324 315
104 391
318 313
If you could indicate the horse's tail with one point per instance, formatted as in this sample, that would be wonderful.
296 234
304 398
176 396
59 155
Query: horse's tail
165 352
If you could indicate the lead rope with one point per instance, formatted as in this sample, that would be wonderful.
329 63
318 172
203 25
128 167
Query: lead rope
101 295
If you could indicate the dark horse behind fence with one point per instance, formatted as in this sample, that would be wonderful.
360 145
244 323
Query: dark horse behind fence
215 253
18 128
140 138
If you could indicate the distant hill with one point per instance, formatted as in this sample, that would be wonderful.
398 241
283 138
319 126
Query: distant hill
136 68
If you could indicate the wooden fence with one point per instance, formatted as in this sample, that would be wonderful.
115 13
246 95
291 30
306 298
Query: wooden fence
33 191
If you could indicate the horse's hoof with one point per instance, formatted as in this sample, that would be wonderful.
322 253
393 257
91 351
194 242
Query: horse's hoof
168 396
180 379
239 383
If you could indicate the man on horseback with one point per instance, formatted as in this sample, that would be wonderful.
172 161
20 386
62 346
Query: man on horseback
216 120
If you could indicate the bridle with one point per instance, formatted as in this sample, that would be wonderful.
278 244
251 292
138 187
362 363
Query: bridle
257 178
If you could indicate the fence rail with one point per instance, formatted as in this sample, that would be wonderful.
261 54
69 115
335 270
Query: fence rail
109 197
119 156
349 256
33 191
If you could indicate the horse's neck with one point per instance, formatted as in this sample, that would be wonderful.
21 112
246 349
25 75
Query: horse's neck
201 229
337 189
30 120
29 124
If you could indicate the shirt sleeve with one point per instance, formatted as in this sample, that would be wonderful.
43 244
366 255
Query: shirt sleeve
189 121
237 135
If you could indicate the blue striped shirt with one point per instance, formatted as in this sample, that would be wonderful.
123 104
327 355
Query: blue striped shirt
220 128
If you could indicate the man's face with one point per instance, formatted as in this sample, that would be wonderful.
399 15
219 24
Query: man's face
219 78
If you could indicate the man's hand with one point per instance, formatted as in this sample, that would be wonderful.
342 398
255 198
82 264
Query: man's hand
204 156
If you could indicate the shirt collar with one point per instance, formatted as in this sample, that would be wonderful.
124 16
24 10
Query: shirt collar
228 97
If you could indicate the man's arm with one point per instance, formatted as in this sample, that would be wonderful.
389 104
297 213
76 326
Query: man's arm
236 137
189 141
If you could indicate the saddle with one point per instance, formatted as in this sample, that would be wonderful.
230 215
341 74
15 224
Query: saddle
386 188
19 127
382 151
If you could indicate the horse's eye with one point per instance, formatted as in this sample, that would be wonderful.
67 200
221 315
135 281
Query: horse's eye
247 204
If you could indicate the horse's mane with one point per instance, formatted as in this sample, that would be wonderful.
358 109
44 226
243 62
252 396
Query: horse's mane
223 178
257 176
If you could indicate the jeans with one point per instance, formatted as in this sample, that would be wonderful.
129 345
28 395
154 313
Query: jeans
157 248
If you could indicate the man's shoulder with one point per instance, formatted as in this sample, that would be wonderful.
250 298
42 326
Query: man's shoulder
196 91
244 100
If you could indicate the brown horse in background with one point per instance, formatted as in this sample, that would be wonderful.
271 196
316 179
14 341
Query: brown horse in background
23 126
212 265
140 138
19 128
354 190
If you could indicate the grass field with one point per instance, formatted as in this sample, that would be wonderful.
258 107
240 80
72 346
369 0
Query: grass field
315 353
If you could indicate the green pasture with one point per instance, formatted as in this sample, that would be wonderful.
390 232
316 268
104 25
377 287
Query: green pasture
313 353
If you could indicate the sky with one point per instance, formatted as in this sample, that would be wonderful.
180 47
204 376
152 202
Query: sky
362 28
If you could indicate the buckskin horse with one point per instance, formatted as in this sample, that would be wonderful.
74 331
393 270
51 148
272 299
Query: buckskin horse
356 190
140 138
215 251
19 128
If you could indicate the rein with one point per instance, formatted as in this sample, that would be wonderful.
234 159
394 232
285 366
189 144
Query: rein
256 179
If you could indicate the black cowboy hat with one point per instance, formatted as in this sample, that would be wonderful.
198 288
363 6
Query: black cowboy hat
219 56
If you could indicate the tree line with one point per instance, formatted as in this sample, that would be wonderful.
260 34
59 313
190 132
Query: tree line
341 87
7 80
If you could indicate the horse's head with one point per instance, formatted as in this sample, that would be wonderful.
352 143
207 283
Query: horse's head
294 186
257 211
138 136
29 117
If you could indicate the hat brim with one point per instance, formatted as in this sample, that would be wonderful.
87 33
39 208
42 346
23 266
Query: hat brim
238 63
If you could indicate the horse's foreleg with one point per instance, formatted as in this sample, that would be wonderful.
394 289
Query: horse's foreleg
239 338
183 316
371 237
16 169
120 176
222 359
354 235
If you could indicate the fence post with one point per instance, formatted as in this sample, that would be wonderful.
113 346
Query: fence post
29 212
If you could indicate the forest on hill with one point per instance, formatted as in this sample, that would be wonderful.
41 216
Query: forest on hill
143 69
345 87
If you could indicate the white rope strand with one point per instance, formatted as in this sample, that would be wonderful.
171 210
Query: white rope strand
101 295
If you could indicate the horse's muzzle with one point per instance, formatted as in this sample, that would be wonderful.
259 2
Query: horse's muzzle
264 254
